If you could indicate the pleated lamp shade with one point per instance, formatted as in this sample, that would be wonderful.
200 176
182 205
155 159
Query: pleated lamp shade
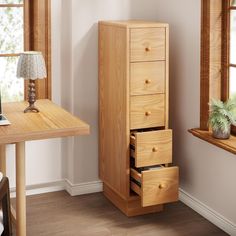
31 65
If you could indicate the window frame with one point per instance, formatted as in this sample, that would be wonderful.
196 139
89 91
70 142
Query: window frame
12 5
37 20
37 37
215 51
215 39
230 10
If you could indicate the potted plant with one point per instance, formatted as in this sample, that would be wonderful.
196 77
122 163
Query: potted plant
222 115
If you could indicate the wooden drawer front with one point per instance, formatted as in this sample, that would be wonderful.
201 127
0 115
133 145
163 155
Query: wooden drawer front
147 44
157 186
147 111
147 78
152 148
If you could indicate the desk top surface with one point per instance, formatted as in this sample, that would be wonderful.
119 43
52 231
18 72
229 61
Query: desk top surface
51 122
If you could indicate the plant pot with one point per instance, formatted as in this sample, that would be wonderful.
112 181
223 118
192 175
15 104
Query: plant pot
219 134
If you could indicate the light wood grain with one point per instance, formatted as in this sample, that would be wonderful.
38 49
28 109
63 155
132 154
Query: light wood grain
20 190
205 64
228 144
11 5
225 50
135 188
147 78
52 121
147 44
132 24
3 159
153 148
135 175
167 89
114 108
9 55
131 206
133 94
37 37
160 186
147 111
215 49
211 63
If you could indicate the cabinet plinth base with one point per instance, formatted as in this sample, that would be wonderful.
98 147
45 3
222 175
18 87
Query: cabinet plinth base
131 207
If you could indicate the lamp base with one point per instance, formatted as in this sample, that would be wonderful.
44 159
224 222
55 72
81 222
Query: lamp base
31 98
31 108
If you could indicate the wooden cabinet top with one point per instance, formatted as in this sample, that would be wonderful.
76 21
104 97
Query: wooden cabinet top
134 23
51 122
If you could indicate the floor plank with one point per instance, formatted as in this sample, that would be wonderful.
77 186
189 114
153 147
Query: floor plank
93 215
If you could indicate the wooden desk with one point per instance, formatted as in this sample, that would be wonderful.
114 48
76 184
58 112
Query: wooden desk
51 122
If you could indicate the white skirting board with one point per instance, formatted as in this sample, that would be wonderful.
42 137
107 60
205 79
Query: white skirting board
208 213
83 188
72 189
41 188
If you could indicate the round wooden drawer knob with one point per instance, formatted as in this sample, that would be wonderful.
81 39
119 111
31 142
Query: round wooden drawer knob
155 149
148 81
148 113
162 186
147 49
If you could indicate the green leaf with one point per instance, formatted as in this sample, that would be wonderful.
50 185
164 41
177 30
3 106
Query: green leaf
222 115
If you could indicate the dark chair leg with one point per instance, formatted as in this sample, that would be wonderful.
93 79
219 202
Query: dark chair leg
6 207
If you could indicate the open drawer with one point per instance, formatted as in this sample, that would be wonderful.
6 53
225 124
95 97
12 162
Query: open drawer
156 186
151 148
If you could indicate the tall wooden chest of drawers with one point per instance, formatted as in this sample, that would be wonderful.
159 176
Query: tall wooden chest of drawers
135 144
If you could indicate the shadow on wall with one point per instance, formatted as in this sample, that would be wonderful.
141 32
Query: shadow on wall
66 83
86 74
86 103
181 65
165 12
146 10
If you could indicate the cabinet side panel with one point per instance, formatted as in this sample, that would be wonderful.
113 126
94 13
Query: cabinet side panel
113 108
167 79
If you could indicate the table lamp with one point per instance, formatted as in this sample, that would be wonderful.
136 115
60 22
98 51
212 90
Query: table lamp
31 65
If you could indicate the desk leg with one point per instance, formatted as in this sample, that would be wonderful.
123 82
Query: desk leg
3 159
20 190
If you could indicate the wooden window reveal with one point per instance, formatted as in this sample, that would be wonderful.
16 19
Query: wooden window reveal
215 54
215 64
37 29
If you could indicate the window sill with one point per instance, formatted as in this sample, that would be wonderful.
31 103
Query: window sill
228 144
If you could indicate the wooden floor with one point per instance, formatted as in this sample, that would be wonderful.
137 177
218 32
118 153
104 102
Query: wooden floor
93 215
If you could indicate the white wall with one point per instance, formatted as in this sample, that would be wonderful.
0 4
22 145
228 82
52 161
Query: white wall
207 172
85 15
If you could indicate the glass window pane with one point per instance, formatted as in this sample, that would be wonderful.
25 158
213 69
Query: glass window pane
233 37
11 1
12 88
233 2
11 29
232 82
